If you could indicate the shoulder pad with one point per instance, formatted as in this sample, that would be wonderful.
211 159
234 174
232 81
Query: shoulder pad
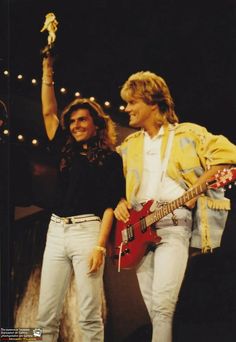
132 135
189 126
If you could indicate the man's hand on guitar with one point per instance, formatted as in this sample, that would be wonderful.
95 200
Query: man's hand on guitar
121 212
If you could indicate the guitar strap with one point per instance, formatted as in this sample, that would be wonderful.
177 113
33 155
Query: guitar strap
165 163
167 152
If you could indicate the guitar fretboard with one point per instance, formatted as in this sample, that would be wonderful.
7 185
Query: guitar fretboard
170 207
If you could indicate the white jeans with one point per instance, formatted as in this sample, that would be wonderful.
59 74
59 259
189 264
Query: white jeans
68 247
160 273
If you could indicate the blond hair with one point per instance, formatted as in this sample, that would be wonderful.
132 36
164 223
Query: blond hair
152 89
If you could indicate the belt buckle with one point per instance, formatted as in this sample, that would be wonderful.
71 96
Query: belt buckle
68 220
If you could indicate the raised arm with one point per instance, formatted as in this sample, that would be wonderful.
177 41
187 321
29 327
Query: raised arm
48 98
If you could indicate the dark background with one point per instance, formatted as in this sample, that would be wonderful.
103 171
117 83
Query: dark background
101 42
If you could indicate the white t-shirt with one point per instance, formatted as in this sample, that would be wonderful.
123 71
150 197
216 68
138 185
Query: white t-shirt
151 186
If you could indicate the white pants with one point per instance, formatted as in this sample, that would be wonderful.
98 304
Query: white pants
160 273
68 247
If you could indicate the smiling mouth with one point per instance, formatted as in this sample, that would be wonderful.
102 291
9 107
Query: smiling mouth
79 132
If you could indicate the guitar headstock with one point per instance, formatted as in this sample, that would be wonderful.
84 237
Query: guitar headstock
222 178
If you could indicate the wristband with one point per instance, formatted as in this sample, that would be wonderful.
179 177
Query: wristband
51 83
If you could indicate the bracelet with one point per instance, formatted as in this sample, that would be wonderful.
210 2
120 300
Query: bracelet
101 249
48 75
51 83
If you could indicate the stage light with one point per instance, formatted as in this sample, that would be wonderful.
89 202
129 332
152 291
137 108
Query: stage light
6 132
20 137
107 104
35 142
63 90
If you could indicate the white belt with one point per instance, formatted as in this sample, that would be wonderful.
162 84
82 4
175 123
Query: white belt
74 219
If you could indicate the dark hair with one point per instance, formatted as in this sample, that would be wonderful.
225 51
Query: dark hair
106 127
97 120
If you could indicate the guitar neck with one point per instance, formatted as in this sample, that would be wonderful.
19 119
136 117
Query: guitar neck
170 207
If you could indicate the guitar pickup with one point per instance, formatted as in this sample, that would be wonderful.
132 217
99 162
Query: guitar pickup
127 234
143 225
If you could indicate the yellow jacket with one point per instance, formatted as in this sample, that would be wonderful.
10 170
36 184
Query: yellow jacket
194 150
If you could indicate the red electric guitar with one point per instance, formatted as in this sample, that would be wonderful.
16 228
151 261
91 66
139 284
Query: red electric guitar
130 241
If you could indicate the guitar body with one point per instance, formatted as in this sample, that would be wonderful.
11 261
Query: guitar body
131 239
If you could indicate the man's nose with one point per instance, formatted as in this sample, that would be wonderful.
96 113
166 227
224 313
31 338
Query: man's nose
127 110
77 123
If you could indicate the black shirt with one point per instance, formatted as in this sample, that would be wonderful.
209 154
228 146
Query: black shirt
86 187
